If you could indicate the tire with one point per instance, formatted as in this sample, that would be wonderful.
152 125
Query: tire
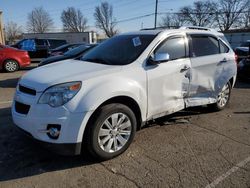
11 65
118 125
223 98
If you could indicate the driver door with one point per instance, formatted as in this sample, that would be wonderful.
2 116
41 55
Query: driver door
168 82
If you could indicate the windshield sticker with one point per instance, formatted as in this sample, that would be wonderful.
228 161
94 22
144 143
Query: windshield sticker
136 41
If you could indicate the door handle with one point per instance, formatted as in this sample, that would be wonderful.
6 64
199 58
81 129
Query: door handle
223 60
185 68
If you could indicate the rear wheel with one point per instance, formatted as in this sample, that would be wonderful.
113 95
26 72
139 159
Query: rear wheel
11 65
111 131
223 98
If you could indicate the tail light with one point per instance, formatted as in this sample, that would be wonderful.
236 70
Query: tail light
236 58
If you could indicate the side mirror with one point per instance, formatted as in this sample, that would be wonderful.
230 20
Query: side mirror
159 58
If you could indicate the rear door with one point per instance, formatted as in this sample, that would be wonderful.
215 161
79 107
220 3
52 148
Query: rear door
207 69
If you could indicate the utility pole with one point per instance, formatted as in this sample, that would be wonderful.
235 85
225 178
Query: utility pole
1 29
156 6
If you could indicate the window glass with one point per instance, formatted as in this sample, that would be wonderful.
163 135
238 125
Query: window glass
223 48
119 50
204 45
40 42
28 45
56 43
175 47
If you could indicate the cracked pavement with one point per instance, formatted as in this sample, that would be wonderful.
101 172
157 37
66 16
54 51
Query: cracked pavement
191 148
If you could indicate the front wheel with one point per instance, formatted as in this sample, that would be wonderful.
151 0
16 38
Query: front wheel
223 98
111 131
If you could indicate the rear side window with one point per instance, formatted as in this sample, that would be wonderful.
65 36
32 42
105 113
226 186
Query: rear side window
223 48
56 43
175 47
40 42
204 45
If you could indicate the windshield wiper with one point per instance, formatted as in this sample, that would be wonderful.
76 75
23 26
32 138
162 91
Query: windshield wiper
97 60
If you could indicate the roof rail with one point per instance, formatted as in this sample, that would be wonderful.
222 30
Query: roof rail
198 28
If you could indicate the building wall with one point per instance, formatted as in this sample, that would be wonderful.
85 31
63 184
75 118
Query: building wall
88 37
235 39
2 41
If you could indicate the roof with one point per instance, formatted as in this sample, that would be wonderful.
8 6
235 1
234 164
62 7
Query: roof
168 31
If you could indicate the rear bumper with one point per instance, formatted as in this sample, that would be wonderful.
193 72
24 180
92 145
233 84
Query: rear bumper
67 149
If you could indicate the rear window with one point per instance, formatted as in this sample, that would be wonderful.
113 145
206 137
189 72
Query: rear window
204 45
28 45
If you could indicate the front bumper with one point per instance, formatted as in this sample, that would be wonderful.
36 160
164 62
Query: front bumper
69 149
39 116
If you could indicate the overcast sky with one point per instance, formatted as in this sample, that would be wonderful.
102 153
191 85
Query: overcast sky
17 11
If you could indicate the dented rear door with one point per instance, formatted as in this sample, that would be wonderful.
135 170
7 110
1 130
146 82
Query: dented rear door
208 73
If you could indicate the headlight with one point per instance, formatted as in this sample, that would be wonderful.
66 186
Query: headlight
60 94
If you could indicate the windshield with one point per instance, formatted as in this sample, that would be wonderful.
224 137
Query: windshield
77 50
119 50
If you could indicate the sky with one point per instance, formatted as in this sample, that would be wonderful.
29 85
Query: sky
17 11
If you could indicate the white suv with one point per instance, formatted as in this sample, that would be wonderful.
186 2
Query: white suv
101 100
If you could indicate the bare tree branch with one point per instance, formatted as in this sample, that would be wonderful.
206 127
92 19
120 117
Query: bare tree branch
194 15
104 19
12 32
39 21
229 11
73 20
172 21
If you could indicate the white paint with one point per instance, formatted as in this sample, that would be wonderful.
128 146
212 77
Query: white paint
228 173
5 102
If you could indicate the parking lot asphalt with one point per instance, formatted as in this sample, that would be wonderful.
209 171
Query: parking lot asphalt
192 148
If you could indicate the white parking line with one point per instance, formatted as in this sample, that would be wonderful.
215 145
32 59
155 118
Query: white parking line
228 173
5 102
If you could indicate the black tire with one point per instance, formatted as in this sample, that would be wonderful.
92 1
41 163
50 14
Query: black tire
93 138
219 106
11 65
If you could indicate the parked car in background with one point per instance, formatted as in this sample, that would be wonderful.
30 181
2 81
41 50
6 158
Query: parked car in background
71 54
11 59
38 48
244 69
64 48
96 104
242 51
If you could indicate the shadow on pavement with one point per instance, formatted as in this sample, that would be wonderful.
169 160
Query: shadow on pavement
242 85
9 83
21 156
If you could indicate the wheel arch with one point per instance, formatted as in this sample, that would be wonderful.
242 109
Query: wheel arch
7 59
125 100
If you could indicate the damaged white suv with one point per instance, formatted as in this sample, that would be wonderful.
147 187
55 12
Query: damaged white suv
101 100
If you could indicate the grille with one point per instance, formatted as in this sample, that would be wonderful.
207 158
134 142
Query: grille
22 108
27 90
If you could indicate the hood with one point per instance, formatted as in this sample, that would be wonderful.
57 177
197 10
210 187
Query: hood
64 71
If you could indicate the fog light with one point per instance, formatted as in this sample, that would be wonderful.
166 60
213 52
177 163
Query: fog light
53 131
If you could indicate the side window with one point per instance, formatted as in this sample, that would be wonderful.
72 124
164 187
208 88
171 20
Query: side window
175 47
40 42
204 45
28 45
223 48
